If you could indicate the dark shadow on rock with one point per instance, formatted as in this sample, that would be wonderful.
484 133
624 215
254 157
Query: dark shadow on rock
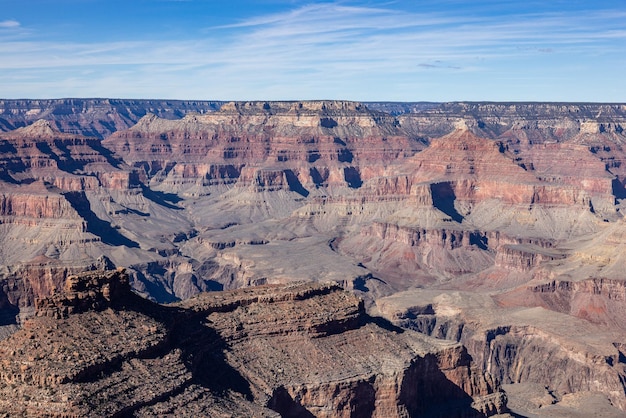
427 392
361 403
7 148
106 153
209 268
383 323
6 126
313 156
95 225
167 200
201 346
155 289
64 161
203 353
6 177
282 402
360 283
294 183
328 123
352 177
212 286
443 199
12 163
8 311
479 240
619 191
127 211
345 156
317 178
8 316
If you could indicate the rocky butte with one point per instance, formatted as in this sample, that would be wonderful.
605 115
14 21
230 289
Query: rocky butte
485 241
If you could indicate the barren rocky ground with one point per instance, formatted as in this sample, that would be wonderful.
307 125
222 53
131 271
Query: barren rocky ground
497 226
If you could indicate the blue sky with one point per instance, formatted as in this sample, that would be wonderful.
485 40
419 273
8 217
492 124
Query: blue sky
365 50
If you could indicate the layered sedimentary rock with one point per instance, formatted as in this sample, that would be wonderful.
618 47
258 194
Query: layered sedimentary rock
70 162
290 145
517 345
536 121
48 227
298 349
518 206
94 117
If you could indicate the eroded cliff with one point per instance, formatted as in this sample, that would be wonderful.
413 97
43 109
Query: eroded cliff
98 349
518 206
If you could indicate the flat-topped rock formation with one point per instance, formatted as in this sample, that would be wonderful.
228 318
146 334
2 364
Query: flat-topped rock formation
295 146
86 292
293 350
94 117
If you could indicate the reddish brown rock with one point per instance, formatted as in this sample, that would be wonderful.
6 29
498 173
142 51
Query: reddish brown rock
90 291
459 197
292 349
321 136
69 162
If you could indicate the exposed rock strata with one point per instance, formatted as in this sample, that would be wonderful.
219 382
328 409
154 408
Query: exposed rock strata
299 349
565 354
504 199
94 117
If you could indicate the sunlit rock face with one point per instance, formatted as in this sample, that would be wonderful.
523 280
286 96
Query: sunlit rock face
510 209
94 117
293 349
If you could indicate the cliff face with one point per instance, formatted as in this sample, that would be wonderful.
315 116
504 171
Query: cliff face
529 346
520 201
248 352
597 300
333 169
537 122
93 117
307 145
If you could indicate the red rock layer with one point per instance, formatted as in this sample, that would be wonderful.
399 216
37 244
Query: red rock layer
597 300
320 142
39 152
478 169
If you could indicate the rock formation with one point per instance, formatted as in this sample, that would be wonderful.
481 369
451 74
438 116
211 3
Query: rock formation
457 206
93 117
299 350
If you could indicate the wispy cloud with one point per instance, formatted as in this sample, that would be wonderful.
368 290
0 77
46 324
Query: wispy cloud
438 64
324 50
9 24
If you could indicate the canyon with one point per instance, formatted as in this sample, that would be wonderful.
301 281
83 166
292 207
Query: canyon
490 234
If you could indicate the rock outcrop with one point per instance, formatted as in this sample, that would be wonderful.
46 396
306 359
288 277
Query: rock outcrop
300 349
86 292
284 145
515 345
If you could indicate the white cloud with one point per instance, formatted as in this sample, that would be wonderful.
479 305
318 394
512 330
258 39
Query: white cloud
9 24
323 50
